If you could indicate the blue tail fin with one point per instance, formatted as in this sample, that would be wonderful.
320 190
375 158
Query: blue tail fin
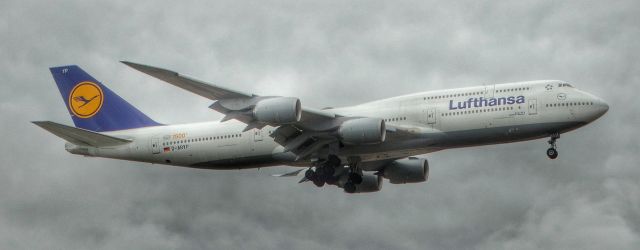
93 106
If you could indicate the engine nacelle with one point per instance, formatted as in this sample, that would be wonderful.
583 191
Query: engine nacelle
362 131
370 183
278 110
410 170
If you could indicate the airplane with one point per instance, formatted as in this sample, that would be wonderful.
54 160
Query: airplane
353 148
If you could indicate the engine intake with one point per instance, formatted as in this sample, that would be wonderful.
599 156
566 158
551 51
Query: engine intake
279 110
410 170
362 131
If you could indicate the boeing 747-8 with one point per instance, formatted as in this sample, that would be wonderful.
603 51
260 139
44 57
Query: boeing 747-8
354 147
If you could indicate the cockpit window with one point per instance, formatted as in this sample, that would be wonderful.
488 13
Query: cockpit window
564 85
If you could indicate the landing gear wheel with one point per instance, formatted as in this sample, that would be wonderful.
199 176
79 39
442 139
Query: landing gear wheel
349 187
328 171
333 161
552 153
355 178
331 180
318 182
310 174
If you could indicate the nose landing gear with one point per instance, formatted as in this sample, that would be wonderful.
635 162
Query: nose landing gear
552 153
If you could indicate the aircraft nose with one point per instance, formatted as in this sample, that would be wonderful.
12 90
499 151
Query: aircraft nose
605 107
601 107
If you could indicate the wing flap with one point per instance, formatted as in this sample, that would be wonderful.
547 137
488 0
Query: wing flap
80 136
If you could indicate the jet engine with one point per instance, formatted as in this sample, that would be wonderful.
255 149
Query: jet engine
409 170
280 110
370 183
362 131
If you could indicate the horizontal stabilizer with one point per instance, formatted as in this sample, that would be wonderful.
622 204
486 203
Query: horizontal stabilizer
80 136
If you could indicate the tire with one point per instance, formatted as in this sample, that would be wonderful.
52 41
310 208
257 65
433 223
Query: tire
349 187
333 161
355 178
328 171
310 174
318 182
552 153
331 180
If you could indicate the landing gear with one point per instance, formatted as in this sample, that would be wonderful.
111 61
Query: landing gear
552 153
349 187
314 177
353 179
333 171
324 172
318 182
354 176
309 174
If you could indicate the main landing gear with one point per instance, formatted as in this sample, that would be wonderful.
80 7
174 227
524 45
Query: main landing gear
332 172
354 176
324 172
552 153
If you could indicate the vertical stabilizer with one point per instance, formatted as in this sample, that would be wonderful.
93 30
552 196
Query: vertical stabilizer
93 106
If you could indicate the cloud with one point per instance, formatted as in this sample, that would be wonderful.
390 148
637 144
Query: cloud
492 197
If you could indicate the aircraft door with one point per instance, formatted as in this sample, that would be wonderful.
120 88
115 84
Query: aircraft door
533 107
257 135
488 91
155 145
431 116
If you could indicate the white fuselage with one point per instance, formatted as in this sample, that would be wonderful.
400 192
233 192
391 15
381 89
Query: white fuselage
427 122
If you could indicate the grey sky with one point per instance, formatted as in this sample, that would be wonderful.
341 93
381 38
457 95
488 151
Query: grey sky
333 53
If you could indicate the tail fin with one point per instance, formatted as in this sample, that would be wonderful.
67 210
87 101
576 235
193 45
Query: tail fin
93 106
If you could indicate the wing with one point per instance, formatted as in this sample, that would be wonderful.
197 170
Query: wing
313 130
211 91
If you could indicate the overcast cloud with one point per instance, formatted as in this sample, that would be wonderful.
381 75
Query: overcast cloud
328 53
